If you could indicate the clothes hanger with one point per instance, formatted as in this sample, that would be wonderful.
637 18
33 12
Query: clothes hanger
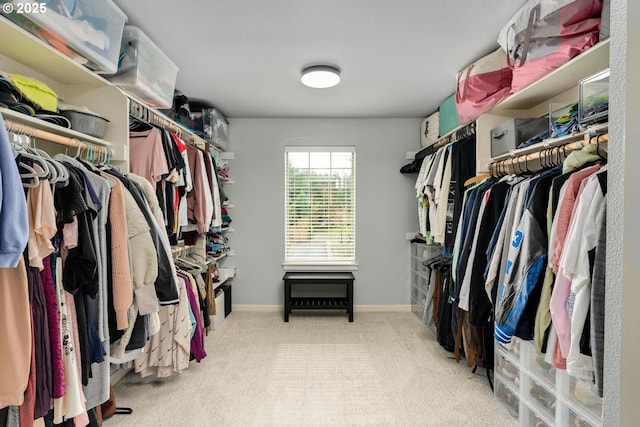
23 141
52 169
516 162
62 171
526 164
180 260
543 158
477 178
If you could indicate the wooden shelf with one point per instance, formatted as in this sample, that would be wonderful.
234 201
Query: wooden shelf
559 80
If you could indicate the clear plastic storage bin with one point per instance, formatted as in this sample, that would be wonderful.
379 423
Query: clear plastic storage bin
507 396
89 31
541 369
144 70
594 98
507 370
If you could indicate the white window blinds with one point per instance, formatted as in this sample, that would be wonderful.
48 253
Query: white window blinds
320 196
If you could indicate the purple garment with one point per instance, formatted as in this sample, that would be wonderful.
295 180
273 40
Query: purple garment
59 387
197 341
42 346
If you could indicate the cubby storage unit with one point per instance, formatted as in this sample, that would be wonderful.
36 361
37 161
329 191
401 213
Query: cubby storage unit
538 394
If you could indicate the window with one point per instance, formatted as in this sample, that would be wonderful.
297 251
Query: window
320 196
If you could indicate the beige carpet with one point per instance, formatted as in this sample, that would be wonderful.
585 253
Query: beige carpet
385 369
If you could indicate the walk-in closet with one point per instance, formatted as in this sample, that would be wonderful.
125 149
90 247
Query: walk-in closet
297 213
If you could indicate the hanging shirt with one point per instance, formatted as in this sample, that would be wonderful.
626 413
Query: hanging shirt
71 403
15 334
579 266
576 185
525 266
146 155
598 298
565 209
14 227
42 221
197 206
442 198
120 279
167 353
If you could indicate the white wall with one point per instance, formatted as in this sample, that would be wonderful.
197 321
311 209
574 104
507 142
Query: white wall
622 339
385 203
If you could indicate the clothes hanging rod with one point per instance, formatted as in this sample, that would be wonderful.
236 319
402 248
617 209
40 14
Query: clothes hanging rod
21 129
141 112
454 136
545 157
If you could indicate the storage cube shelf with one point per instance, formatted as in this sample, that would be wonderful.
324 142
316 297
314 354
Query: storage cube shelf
545 396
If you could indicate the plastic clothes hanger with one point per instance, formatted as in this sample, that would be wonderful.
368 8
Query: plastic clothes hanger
23 141
52 170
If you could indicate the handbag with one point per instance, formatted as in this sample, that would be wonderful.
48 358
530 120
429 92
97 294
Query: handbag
544 34
482 85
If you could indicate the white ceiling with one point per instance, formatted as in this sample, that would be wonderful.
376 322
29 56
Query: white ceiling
397 58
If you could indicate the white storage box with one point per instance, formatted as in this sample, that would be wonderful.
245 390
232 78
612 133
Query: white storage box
429 130
144 70
218 318
88 31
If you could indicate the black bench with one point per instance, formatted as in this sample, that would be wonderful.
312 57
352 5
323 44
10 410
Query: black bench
318 303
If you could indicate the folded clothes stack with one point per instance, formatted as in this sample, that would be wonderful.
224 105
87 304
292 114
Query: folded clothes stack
31 97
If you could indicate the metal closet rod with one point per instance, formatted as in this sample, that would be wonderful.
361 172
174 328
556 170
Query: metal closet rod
143 113
21 129
456 135
546 157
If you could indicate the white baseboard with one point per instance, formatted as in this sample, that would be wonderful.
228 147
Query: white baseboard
251 307
356 308
372 308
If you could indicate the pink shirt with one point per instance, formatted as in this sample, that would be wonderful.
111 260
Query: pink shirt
565 208
146 155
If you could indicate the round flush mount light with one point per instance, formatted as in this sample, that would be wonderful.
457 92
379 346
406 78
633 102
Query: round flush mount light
320 76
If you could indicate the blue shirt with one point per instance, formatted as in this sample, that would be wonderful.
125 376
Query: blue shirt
14 226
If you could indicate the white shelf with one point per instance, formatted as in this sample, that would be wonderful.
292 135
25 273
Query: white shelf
50 127
219 258
553 142
24 54
228 230
559 80
32 52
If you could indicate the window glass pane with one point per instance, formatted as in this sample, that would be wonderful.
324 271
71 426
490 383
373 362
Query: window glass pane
320 160
320 206
299 160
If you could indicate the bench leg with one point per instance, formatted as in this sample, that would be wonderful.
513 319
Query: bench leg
350 300
287 300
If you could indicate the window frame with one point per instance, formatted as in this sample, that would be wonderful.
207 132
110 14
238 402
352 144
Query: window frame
319 264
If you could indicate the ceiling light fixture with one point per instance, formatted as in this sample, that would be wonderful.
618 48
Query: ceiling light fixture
320 76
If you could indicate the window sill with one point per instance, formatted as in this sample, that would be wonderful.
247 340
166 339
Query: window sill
320 267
